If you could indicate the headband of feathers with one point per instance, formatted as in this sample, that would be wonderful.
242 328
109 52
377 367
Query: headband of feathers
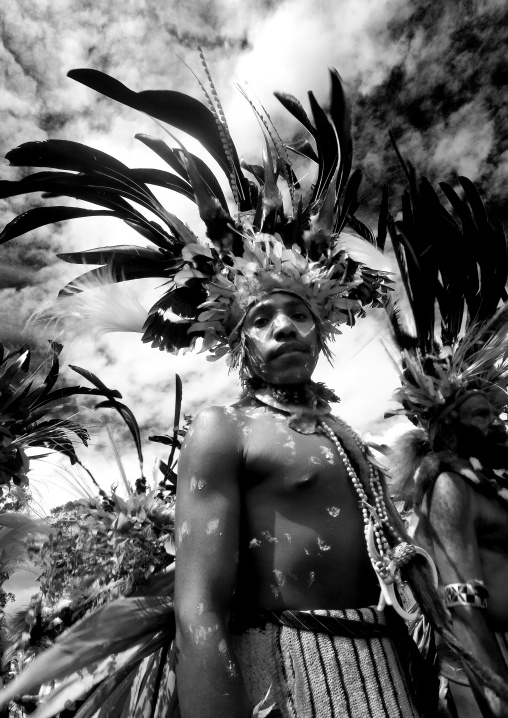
208 279
454 269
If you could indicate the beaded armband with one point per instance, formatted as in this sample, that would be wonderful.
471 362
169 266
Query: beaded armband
466 594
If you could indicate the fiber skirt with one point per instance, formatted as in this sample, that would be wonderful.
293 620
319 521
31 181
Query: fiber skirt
308 673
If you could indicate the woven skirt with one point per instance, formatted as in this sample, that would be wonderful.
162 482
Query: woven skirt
311 674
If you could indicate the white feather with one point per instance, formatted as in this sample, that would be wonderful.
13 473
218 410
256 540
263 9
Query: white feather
102 307
364 252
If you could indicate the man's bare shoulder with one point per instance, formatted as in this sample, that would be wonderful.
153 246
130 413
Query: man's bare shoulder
452 501
212 449
213 422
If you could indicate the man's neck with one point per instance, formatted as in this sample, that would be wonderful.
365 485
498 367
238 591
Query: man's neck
307 396
303 404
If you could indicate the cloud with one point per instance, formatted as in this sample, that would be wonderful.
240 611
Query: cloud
434 75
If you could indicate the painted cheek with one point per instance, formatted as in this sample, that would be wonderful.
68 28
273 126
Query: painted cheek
307 331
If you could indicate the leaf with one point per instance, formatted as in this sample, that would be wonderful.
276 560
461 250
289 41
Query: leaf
59 394
258 711
95 381
129 419
20 364
105 691
176 422
41 216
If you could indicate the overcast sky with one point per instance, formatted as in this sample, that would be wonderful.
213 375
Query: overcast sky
434 72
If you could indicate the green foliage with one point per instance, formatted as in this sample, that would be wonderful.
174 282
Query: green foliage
100 549
106 547
26 416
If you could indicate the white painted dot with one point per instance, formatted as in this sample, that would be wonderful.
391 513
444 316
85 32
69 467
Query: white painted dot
268 536
279 577
184 530
328 454
322 545
212 526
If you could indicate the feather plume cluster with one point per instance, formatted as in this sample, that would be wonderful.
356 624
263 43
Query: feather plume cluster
454 269
203 275
102 306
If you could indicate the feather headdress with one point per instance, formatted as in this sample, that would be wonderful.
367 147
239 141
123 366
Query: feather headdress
454 268
206 277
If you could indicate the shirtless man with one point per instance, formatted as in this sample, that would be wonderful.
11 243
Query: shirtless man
268 519
464 518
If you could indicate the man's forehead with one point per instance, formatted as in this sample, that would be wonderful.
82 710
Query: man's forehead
282 300
476 400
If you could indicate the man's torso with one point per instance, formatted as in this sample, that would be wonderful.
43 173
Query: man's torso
302 537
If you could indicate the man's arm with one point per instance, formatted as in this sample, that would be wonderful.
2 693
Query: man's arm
210 684
452 516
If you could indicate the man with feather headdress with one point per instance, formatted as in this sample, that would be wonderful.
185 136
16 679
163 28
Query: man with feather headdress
284 530
454 468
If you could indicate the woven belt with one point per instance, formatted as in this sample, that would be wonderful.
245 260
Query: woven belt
312 622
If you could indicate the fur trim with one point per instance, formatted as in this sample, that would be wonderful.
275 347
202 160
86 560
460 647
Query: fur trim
408 453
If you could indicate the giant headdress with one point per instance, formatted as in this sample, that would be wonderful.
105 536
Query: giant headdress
263 246
451 329
211 281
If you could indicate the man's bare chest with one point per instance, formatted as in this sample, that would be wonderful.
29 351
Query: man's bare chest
279 459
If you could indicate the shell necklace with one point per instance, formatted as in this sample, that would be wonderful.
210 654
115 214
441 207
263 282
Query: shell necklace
386 561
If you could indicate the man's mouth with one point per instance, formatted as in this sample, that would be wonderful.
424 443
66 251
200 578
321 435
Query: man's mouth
288 348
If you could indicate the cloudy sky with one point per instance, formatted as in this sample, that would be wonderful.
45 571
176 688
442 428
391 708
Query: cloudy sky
433 72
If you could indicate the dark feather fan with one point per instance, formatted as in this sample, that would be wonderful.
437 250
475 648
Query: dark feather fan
192 273
454 268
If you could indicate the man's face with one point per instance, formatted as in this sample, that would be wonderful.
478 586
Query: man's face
480 431
281 340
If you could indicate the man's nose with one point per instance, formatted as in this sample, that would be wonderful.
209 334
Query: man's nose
283 326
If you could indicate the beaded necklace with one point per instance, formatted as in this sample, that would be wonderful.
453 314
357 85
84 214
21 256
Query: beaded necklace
386 561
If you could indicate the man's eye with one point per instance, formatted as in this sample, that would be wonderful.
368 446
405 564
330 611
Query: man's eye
299 316
260 322
481 414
